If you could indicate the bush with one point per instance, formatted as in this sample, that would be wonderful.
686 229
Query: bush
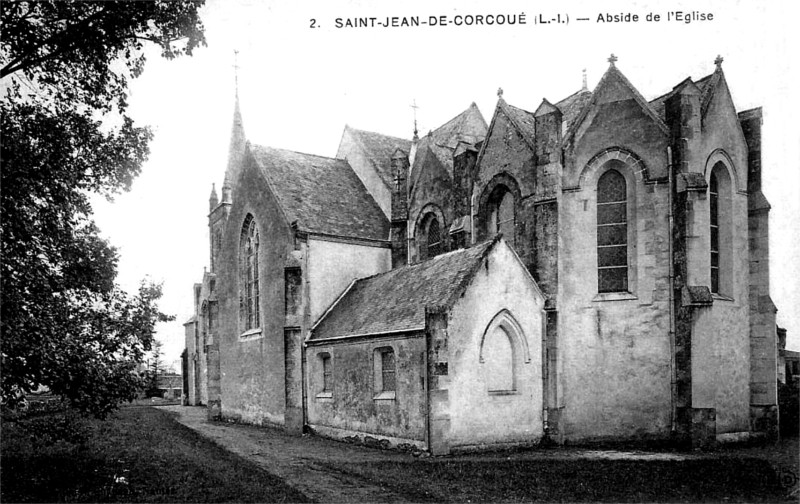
789 409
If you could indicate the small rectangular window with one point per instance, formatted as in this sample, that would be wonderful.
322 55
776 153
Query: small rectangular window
385 377
327 377
388 371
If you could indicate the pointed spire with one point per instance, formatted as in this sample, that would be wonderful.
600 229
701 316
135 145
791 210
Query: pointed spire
213 200
238 141
585 86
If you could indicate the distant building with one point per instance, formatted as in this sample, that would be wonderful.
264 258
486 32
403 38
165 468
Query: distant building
597 269
170 385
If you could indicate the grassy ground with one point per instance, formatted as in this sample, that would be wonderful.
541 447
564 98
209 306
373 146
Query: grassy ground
581 480
140 455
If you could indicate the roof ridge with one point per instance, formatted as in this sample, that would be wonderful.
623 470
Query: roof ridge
377 133
428 262
298 152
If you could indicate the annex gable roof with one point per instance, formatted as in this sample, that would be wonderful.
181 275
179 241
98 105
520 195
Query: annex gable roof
395 301
322 195
379 149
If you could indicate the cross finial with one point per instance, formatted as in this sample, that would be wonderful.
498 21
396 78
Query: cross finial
398 178
585 85
500 92
718 61
415 107
612 59
236 68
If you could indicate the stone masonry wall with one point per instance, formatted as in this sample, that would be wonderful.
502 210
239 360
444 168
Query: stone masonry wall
252 367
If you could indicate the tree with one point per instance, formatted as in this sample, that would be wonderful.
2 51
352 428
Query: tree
156 369
65 322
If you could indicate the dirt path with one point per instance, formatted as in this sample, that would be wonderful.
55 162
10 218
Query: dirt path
297 460
310 464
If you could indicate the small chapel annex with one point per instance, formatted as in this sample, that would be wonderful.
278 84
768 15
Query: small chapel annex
596 269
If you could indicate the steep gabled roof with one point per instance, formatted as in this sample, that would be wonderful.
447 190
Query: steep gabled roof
395 301
379 149
706 85
323 195
468 126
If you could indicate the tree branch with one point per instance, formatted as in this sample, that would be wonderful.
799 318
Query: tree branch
55 39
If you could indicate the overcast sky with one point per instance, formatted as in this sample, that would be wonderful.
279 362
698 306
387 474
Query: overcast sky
299 86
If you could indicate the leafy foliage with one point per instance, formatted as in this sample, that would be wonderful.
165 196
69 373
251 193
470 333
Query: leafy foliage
71 50
65 323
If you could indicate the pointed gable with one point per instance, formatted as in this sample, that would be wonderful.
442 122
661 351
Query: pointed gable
469 126
323 195
378 148
523 121
613 87
507 116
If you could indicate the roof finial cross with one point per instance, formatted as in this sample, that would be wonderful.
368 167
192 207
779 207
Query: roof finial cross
500 92
718 61
236 69
398 178
612 59
585 85
415 107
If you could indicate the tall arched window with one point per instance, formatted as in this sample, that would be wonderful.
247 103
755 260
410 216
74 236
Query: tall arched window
249 288
612 233
503 349
434 238
430 238
501 218
713 199
498 357
721 247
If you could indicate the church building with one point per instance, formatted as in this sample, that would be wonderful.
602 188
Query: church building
593 270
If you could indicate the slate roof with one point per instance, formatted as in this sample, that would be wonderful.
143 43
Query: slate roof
324 195
469 126
572 105
379 149
706 85
396 300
